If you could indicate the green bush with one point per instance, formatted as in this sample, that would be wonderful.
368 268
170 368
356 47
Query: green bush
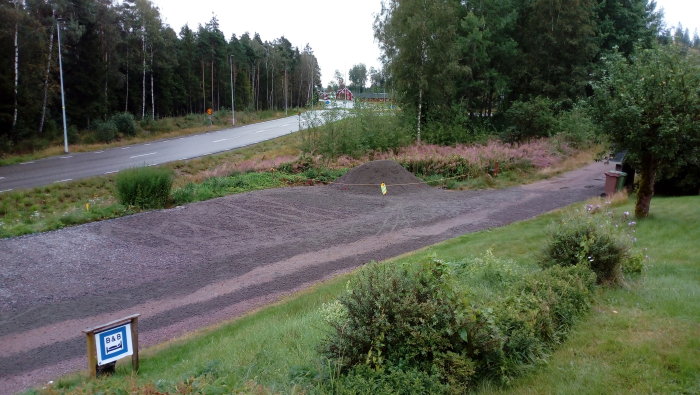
538 312
105 132
434 320
393 380
588 239
577 127
145 187
124 123
530 119
413 319
365 129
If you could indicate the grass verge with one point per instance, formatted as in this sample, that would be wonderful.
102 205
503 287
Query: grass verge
58 205
641 338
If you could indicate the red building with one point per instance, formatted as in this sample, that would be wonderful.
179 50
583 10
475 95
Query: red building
343 94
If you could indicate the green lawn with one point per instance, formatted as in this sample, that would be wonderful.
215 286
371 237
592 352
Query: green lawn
641 338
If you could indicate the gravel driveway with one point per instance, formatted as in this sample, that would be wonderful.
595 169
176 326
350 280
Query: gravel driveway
197 265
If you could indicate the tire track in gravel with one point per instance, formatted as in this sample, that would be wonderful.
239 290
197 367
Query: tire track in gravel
207 262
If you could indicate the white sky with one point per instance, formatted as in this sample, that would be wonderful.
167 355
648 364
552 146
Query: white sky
339 31
686 12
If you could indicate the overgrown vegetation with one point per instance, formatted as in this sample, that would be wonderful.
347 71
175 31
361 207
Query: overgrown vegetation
601 241
280 162
357 132
636 338
144 187
416 318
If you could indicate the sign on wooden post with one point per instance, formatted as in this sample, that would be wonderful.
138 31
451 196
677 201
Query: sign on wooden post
112 341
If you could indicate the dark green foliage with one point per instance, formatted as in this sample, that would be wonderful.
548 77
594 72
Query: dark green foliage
582 241
415 320
420 320
113 50
530 119
365 380
125 123
649 106
369 129
486 55
539 311
105 131
577 127
145 187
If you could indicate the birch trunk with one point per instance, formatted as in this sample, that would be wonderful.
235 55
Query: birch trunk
285 91
15 112
143 81
46 80
420 108
153 98
204 93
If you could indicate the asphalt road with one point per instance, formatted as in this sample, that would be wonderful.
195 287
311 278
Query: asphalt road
74 166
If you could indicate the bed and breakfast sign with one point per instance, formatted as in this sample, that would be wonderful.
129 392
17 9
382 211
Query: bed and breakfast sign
114 344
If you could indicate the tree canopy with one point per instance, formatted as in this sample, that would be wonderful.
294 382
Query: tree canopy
649 106
119 56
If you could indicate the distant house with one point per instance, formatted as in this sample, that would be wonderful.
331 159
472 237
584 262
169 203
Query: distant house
343 94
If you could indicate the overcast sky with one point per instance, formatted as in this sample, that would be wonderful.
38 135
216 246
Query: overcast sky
339 31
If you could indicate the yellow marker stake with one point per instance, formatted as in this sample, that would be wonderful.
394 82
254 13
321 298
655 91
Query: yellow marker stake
87 206
383 188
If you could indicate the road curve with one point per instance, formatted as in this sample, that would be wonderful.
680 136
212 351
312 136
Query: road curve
74 166
203 263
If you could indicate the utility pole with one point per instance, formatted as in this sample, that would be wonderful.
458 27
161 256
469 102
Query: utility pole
63 96
233 97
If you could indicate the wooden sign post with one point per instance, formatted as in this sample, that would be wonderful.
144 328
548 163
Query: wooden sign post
112 341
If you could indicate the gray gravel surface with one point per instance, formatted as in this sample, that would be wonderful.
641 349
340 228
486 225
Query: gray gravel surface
197 265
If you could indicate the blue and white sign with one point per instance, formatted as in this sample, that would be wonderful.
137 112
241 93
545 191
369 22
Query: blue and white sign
113 344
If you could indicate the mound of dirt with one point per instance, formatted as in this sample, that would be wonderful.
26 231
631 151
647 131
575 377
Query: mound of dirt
366 179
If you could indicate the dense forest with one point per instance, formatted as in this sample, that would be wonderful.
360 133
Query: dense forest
118 56
453 62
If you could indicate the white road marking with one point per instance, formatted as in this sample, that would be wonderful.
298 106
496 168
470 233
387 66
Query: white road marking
220 140
26 163
66 157
263 130
125 147
138 156
2 178
98 152
147 144
6 190
111 172
66 180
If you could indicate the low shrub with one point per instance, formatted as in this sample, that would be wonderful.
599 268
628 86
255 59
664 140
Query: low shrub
426 320
393 380
366 129
591 239
530 119
538 313
124 123
105 132
577 127
416 320
145 187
